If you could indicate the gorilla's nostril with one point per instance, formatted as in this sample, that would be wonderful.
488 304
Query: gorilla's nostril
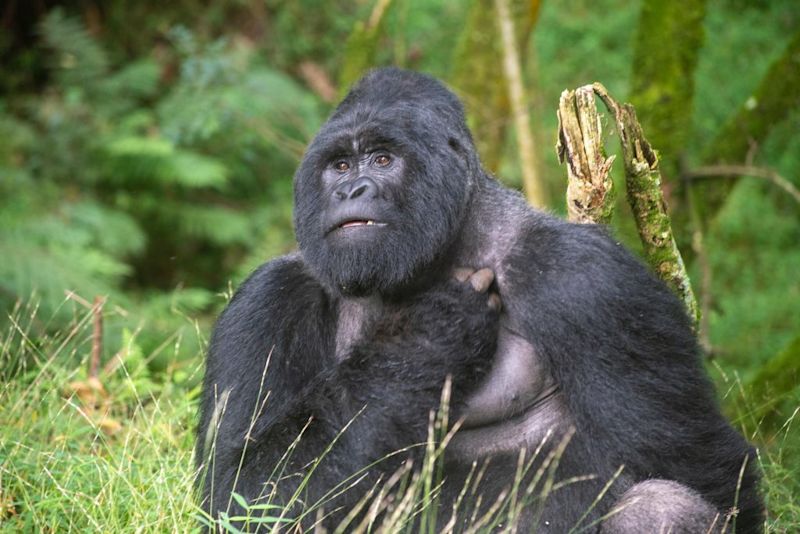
358 191
354 189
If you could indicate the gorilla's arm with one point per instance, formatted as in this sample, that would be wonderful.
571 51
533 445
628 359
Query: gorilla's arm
386 385
267 345
621 347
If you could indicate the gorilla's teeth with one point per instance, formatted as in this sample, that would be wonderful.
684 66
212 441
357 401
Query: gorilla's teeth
370 223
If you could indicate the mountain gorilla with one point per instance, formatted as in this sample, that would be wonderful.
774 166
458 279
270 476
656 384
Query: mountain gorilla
414 266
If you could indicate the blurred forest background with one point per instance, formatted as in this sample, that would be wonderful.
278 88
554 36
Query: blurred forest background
146 159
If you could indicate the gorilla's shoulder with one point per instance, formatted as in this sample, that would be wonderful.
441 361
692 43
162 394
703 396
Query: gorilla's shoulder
555 262
546 231
582 251
277 284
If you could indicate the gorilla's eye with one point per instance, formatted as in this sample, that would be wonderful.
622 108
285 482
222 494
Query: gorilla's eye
341 166
383 160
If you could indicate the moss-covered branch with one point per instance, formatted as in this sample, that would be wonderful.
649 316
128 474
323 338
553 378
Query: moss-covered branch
643 181
588 192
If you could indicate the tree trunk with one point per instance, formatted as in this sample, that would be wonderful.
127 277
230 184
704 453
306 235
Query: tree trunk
668 38
478 74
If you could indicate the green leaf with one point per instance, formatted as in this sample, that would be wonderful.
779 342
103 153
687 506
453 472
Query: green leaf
219 225
140 147
194 170
138 79
113 231
77 59
146 161
239 499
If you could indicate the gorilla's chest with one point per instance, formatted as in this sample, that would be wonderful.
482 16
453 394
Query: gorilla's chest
354 317
515 406
517 380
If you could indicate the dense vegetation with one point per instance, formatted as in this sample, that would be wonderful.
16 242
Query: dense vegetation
146 157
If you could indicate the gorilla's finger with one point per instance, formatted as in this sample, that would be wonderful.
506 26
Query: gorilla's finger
482 279
494 302
462 274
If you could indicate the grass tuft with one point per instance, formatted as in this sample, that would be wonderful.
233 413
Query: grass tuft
114 453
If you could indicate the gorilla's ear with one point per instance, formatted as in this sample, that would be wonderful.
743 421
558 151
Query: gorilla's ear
455 145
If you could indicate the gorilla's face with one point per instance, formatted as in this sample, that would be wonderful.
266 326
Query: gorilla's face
359 190
383 187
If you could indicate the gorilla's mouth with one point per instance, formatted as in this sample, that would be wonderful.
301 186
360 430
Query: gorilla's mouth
355 223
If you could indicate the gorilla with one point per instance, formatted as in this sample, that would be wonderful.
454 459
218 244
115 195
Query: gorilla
416 268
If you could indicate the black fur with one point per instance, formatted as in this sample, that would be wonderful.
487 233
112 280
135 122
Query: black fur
615 341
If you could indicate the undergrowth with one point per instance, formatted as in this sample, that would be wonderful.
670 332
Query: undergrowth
114 452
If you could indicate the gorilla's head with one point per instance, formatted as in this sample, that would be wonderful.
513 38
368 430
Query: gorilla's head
384 187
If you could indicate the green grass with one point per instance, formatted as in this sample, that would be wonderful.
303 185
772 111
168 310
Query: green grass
73 458
115 455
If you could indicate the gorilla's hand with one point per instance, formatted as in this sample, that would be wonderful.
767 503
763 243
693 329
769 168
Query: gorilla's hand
481 281
458 316
449 330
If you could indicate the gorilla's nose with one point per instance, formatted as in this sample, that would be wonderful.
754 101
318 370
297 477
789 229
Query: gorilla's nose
351 190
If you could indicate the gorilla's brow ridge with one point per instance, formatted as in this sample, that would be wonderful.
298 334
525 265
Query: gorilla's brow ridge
362 140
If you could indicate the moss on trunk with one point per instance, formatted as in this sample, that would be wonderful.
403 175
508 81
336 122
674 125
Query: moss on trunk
668 38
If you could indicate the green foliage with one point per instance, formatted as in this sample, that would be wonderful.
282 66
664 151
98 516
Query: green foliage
95 455
478 74
77 455
151 162
776 387
120 178
779 453
567 42
730 51
756 306
361 47
147 162
776 95
78 61
297 37
479 77
50 247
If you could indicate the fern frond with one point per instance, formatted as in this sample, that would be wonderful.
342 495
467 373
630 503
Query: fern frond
112 231
219 225
79 60
144 161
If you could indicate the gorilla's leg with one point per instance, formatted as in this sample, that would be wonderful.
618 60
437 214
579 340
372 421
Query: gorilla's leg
663 507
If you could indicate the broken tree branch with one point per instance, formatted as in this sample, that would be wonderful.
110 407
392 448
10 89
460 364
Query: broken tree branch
588 193
643 181
590 197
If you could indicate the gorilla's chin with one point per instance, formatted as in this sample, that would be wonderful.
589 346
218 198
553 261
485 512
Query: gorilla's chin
360 267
